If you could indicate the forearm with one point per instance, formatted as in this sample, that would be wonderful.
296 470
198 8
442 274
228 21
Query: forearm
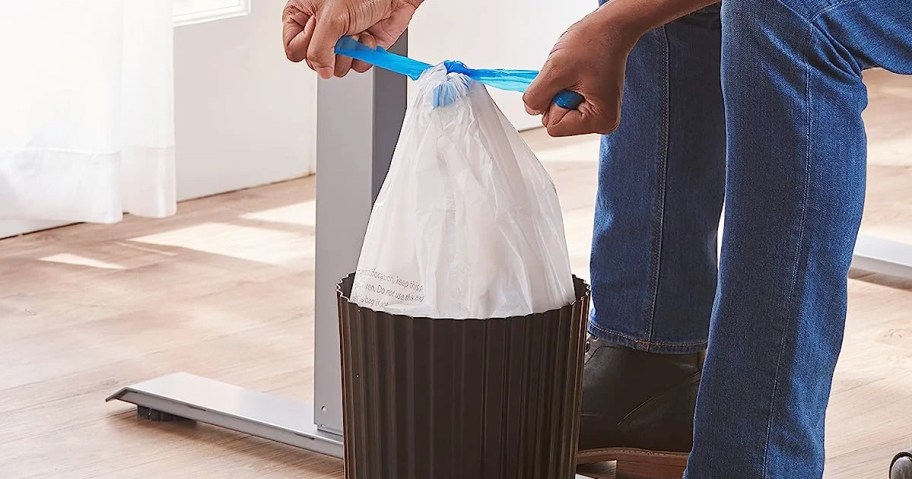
637 17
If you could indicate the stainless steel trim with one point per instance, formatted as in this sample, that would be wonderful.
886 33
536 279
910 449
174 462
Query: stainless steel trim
232 407
879 255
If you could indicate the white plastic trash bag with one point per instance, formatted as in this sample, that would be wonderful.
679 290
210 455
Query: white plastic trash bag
468 223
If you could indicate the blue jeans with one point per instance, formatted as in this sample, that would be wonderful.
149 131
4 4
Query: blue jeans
787 151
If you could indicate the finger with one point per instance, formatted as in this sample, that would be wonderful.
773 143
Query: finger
580 122
328 30
552 79
343 66
555 115
296 34
573 123
308 34
369 40
360 66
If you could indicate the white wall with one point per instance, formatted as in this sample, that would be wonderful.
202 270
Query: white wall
494 34
244 114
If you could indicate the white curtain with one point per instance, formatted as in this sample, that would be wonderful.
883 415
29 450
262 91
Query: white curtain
86 109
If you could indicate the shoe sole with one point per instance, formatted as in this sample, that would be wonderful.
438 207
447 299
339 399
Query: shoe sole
638 463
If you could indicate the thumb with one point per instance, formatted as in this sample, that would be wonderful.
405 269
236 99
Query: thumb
547 84
321 52
586 119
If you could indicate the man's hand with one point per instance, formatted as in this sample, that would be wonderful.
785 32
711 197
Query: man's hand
590 59
311 29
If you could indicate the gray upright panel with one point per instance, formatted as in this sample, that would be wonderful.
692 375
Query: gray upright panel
358 122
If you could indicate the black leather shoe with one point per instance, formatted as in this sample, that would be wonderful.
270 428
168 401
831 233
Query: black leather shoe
638 409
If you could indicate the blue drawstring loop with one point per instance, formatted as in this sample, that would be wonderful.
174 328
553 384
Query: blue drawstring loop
512 80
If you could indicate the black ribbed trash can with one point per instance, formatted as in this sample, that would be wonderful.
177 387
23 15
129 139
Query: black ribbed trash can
461 398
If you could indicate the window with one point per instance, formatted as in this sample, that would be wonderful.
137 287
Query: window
188 12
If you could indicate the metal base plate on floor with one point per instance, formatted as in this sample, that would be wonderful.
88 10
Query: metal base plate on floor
879 255
183 395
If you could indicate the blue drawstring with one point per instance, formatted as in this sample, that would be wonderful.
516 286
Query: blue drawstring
512 80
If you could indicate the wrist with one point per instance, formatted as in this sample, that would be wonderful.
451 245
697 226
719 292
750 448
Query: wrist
624 20
633 18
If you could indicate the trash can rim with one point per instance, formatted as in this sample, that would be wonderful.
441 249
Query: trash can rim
580 286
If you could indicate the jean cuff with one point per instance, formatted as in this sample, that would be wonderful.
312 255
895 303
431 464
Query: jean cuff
650 346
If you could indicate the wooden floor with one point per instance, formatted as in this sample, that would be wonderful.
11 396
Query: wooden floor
225 289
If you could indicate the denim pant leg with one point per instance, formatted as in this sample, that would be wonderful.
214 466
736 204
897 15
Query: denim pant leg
791 75
661 184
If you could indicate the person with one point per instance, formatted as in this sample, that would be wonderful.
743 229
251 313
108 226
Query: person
757 102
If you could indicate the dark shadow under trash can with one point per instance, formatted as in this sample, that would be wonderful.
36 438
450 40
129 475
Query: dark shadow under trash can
461 399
